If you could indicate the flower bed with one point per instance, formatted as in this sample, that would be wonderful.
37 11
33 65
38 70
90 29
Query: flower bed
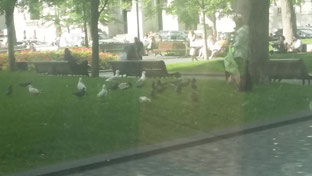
79 53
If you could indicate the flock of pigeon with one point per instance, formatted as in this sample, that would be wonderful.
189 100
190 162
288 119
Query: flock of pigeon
157 87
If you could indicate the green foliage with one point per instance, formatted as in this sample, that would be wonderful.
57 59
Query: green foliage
79 53
188 11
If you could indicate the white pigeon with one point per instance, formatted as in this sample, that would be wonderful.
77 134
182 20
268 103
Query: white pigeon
144 99
103 92
112 78
141 81
32 90
81 86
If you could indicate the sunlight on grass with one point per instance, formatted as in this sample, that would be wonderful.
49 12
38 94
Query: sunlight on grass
210 66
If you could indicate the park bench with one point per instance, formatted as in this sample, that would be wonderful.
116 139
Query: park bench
170 47
113 47
279 69
153 68
56 67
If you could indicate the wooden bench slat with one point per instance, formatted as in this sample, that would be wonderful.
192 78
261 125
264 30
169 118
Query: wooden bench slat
170 47
287 69
55 67
135 68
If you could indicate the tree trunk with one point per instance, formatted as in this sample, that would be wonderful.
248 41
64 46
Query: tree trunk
288 20
95 37
85 26
259 39
214 26
205 33
9 16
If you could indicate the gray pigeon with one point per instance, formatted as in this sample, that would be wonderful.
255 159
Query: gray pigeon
80 93
25 84
9 90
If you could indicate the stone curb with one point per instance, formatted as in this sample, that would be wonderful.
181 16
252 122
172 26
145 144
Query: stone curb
146 151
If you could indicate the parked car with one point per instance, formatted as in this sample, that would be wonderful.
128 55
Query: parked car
301 34
42 46
103 38
173 35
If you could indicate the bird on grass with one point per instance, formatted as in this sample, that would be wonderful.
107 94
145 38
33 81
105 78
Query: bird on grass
178 88
80 93
113 85
81 86
25 84
143 99
115 77
160 87
103 92
141 81
9 90
154 91
125 85
32 90
181 84
194 96
193 84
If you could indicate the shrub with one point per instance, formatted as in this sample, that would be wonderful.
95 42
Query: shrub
79 53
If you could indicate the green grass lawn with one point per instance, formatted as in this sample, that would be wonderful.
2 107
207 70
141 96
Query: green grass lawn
202 67
57 126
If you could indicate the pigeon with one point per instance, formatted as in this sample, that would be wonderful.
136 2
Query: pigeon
115 77
153 85
9 90
25 84
160 87
81 86
103 92
195 96
179 88
144 99
181 84
141 81
153 93
80 93
193 84
123 86
32 90
113 85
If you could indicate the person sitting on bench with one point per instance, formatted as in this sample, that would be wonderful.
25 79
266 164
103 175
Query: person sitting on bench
75 65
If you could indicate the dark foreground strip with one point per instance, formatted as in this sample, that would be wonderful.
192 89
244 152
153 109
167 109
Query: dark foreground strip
135 154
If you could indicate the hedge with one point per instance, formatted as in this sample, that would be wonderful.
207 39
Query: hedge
79 53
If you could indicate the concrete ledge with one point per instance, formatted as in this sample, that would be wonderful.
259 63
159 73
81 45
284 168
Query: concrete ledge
141 152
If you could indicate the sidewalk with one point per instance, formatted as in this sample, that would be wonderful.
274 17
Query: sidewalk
112 159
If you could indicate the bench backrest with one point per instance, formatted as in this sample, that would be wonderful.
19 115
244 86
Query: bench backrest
287 68
171 45
59 67
165 45
135 68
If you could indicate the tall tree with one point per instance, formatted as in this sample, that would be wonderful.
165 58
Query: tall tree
259 39
288 20
7 8
79 13
256 15
203 8
98 7
95 14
